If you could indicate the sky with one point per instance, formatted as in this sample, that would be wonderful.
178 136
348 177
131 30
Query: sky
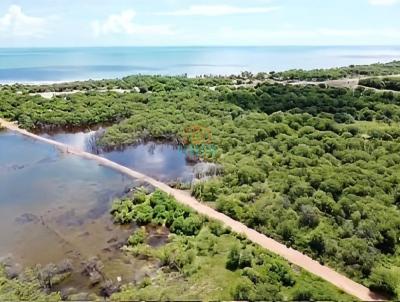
69 23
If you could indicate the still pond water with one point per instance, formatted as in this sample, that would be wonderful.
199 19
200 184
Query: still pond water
56 206
162 161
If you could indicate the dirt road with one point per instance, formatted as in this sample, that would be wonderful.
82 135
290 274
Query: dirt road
291 255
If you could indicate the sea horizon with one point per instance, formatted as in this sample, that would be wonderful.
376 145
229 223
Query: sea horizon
203 46
44 65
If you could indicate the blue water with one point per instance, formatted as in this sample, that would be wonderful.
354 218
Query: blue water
162 161
64 64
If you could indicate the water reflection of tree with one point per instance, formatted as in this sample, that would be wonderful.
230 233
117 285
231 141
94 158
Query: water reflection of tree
152 148
91 141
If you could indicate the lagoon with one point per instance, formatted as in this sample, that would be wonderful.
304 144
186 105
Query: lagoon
160 160
56 206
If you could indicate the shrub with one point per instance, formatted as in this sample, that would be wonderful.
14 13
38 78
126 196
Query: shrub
386 280
143 214
189 226
309 216
138 237
244 291
139 197
233 258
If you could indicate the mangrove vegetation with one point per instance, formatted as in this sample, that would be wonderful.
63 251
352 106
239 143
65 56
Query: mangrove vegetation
203 260
316 168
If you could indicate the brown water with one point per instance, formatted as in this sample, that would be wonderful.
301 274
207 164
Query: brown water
56 207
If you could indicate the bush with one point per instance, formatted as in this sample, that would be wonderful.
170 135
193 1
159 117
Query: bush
138 237
176 257
139 197
233 258
244 291
245 258
267 292
309 216
217 229
303 294
282 274
386 280
189 226
143 214
317 243
122 211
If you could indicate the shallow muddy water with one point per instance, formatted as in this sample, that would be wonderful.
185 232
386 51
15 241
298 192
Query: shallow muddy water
162 161
56 206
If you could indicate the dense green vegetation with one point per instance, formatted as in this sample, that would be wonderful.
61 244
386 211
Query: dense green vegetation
315 168
25 288
389 83
324 159
339 73
203 260
89 108
35 113
136 83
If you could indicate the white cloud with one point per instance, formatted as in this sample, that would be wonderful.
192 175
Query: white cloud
218 10
123 23
383 2
16 23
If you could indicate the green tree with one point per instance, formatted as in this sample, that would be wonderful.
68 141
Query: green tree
244 291
386 280
233 258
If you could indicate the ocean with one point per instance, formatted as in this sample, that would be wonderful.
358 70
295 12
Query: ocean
34 65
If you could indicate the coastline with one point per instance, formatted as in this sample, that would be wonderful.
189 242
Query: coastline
46 66
37 83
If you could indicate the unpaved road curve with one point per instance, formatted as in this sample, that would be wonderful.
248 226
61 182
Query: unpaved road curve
291 255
